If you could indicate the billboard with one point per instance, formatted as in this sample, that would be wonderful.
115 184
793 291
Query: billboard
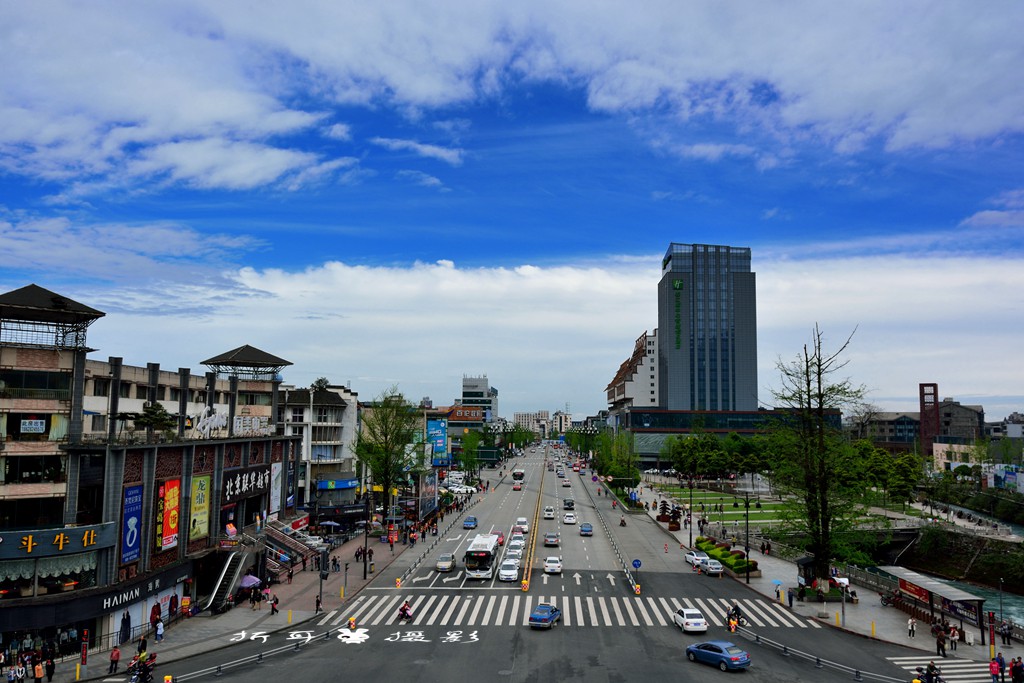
168 503
437 436
199 518
131 525
428 494
276 471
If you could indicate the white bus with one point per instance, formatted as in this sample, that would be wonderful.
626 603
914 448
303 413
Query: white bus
481 556
518 475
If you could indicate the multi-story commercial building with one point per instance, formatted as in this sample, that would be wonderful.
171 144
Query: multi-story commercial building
327 419
636 382
707 329
128 492
477 392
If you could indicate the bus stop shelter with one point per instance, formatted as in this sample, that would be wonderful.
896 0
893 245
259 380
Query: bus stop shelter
940 597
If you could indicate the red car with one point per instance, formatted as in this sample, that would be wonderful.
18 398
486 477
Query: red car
501 538
517 486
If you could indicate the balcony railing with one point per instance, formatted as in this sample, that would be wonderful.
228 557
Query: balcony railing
36 394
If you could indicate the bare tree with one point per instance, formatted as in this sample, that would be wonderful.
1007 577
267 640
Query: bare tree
860 417
815 462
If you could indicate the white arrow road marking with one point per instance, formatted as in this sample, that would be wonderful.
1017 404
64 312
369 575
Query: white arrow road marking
577 577
456 538
457 576
611 579
421 578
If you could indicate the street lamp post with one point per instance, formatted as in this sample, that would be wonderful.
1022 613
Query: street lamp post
690 513
1000 600
746 548
366 532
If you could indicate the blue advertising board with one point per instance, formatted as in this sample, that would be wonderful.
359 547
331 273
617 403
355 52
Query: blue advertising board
131 525
437 436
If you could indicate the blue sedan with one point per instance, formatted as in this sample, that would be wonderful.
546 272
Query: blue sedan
469 523
544 615
720 653
586 529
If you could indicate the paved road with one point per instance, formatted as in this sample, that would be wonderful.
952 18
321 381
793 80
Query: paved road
476 628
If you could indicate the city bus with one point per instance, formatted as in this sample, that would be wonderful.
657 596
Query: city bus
518 475
481 556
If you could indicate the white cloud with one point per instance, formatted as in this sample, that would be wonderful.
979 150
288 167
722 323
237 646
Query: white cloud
219 163
83 87
339 131
449 156
562 331
420 178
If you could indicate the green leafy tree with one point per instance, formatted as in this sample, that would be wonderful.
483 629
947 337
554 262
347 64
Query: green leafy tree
814 462
907 471
384 447
155 418
320 384
469 457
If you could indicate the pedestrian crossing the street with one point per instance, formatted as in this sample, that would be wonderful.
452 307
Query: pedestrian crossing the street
953 670
513 609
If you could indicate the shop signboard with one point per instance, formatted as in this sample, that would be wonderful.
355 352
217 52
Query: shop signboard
199 518
131 524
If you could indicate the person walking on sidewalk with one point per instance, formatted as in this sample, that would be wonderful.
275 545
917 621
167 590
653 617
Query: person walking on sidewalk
159 630
993 668
1002 666
273 604
319 606
954 635
51 668
911 627
115 660
940 644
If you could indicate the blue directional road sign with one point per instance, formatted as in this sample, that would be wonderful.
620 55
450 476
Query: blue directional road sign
636 564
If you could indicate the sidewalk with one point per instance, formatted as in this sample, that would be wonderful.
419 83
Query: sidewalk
205 632
867 618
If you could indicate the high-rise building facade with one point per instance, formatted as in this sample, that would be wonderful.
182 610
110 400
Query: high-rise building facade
707 329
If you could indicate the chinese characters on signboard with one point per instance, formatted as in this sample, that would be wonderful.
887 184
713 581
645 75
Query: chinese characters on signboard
199 519
168 509
59 541
252 425
246 482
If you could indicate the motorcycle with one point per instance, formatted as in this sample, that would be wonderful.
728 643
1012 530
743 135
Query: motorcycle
404 615
622 521
142 671
922 675
888 599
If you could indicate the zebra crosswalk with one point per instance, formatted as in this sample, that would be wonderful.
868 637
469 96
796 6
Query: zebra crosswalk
953 670
514 610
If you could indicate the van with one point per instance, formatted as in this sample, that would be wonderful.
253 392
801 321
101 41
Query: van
568 504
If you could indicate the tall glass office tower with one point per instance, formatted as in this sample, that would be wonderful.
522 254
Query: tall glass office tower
707 329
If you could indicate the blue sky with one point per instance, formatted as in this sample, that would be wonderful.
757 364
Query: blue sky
406 194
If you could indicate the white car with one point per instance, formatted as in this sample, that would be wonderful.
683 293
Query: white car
514 555
552 565
695 557
517 543
549 512
690 621
508 571
566 483
523 524
569 518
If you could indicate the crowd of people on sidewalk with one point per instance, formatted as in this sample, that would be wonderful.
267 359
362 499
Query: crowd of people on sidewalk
27 664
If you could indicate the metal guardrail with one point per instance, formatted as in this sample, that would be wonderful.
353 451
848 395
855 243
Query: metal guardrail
786 651
626 567
219 669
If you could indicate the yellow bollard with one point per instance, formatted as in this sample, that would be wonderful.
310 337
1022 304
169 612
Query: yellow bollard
78 672
398 582
636 589
872 629
342 593
526 585
289 616
837 618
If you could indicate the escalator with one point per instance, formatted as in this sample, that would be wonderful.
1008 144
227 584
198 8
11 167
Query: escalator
227 581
